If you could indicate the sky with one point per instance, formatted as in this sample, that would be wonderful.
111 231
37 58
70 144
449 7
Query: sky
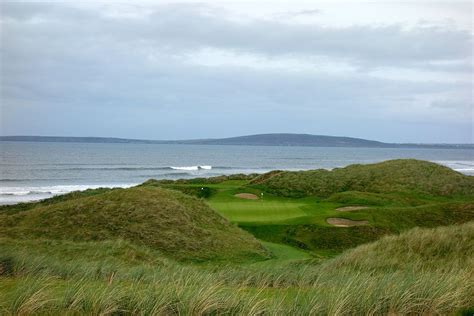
399 71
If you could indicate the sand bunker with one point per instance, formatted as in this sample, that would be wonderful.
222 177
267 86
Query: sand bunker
247 196
351 208
344 222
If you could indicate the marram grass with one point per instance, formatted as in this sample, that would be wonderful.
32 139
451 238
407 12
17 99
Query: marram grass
151 250
422 271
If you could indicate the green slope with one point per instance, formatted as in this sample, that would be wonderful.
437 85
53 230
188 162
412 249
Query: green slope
404 175
448 247
420 272
127 251
178 225
397 195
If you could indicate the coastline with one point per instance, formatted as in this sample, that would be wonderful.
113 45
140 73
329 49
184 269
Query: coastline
10 195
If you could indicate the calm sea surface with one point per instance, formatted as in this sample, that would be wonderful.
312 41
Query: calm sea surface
31 171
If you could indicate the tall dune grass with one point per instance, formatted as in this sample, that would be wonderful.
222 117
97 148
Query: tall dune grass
422 271
345 293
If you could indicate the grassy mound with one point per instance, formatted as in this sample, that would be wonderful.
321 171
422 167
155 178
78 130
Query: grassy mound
65 258
449 247
113 251
178 225
404 175
295 206
420 272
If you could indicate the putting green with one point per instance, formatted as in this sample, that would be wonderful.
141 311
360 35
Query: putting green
258 211
268 209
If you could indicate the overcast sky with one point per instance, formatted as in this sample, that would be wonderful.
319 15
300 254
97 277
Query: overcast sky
395 71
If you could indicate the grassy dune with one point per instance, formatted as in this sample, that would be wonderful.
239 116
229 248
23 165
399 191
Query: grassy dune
180 226
403 175
397 195
427 271
447 247
174 248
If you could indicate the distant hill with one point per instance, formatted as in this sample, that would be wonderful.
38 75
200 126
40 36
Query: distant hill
277 139
292 140
66 139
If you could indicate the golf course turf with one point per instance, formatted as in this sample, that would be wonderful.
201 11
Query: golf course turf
339 219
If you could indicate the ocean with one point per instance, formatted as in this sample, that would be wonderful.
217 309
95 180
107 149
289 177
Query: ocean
32 170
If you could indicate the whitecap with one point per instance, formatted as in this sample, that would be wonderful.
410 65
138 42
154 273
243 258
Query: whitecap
11 195
192 168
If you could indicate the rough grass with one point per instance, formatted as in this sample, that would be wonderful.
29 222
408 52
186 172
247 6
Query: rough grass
403 175
422 271
402 194
180 226
301 222
123 251
382 221
450 246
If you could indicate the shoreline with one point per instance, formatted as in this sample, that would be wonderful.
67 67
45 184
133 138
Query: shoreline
31 194
11 195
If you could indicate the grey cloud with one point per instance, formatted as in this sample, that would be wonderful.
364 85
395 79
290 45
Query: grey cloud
68 68
306 12
181 28
454 104
297 14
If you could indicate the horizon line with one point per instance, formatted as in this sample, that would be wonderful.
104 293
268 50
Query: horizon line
229 137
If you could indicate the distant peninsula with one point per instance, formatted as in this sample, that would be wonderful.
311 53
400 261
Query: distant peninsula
275 139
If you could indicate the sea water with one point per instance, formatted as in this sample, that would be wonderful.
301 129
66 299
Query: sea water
34 170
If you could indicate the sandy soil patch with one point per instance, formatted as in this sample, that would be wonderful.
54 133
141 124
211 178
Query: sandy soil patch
247 196
351 208
344 222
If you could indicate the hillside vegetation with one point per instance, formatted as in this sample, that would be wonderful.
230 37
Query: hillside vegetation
297 208
449 247
180 226
404 175
360 240
422 272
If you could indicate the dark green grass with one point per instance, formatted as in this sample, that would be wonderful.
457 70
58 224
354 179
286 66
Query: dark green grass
180 226
298 222
421 272
267 209
404 175
153 250
399 194
325 239
283 253
390 199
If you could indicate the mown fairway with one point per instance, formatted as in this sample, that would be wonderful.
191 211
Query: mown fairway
268 209
265 209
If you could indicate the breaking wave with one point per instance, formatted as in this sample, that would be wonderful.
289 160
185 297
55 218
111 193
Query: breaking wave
55 189
192 168
138 168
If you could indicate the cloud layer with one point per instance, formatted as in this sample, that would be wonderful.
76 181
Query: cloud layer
196 70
